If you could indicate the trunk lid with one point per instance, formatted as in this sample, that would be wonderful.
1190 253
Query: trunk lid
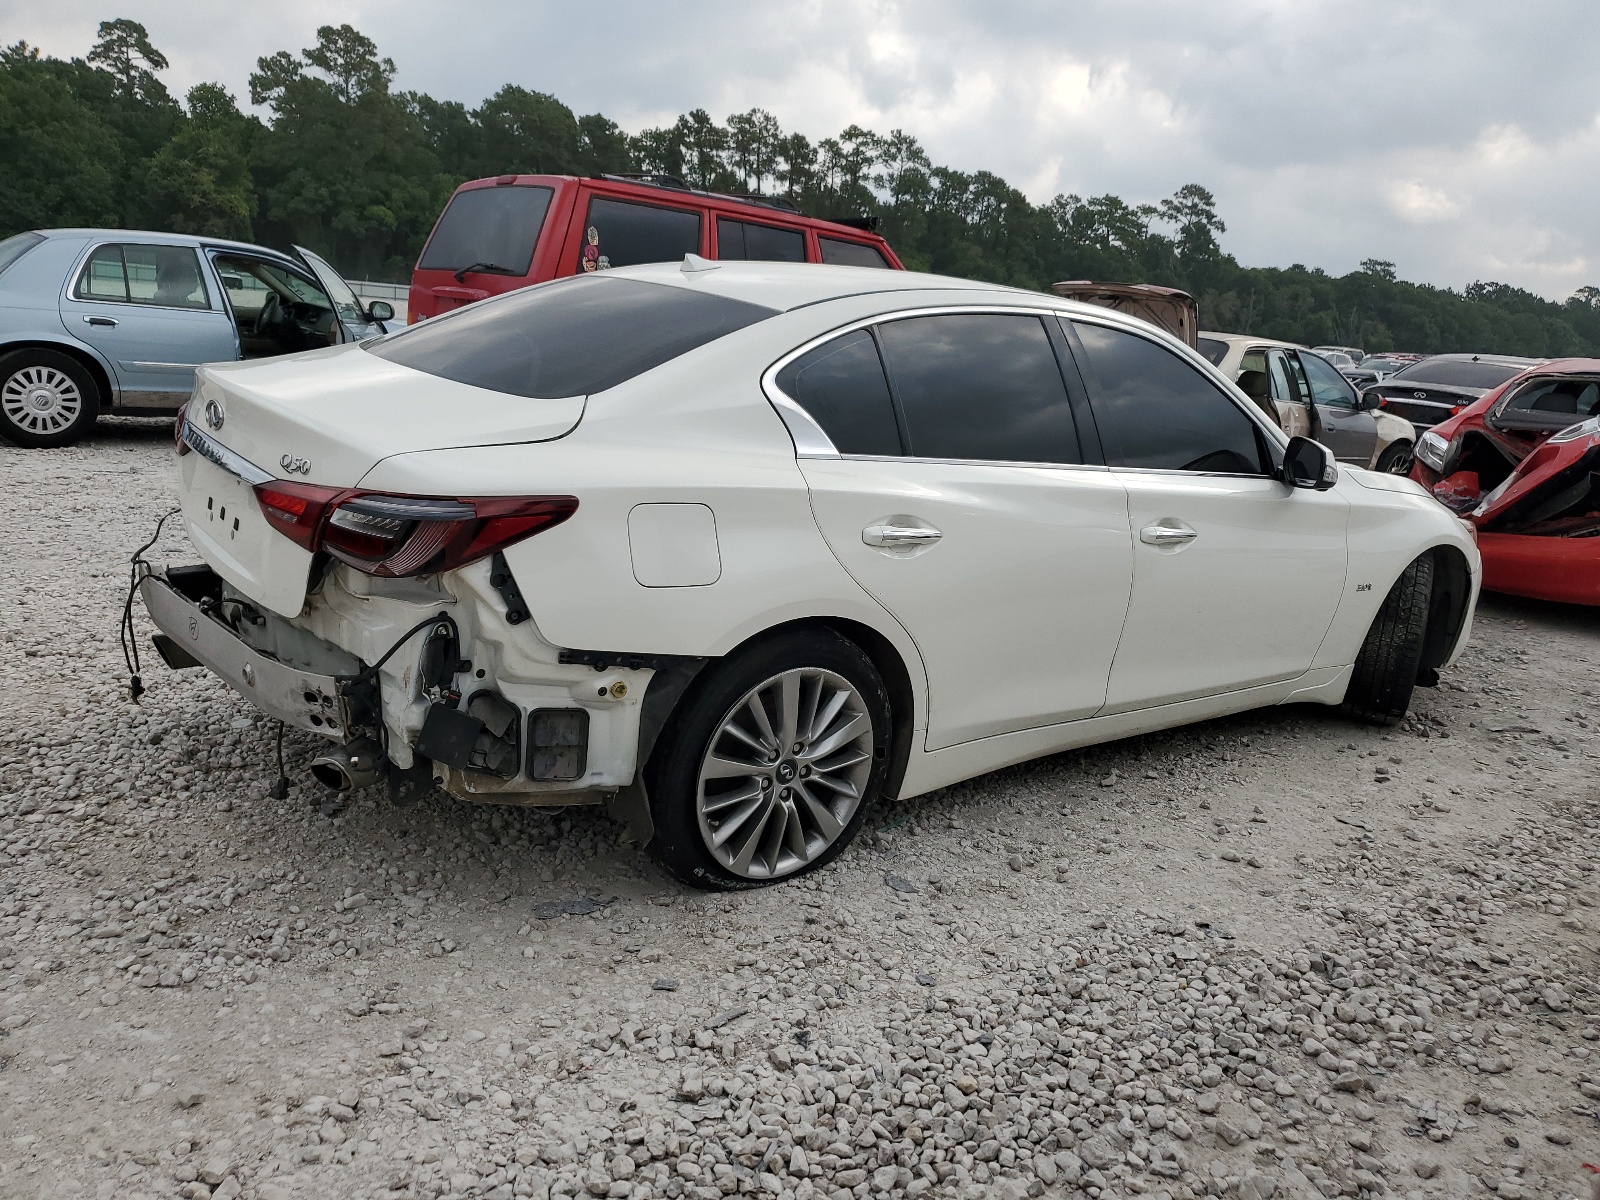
330 416
327 417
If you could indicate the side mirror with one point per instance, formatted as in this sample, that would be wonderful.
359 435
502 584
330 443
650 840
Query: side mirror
1308 464
380 310
1370 401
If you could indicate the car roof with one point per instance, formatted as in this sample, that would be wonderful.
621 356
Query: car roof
786 286
1245 339
1494 360
169 239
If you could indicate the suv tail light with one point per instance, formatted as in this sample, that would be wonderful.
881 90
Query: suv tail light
381 534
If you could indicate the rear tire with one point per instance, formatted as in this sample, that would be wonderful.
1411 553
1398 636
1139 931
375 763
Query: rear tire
47 398
1395 459
1386 669
730 815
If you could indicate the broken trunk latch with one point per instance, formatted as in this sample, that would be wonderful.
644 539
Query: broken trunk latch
506 584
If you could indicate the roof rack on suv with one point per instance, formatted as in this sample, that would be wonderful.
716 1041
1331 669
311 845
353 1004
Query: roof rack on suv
868 223
673 183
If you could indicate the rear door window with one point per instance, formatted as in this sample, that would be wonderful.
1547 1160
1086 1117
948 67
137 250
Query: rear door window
161 276
619 233
980 386
491 229
570 338
841 384
850 254
767 243
1156 411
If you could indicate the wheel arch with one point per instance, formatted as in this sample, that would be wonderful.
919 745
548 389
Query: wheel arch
97 370
1448 609
886 658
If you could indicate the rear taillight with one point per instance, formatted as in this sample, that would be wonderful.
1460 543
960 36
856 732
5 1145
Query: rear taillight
177 430
296 509
396 536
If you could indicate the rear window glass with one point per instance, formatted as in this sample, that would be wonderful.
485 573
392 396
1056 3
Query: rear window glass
841 385
850 254
1574 398
15 247
491 228
619 234
745 240
1458 373
569 338
1214 350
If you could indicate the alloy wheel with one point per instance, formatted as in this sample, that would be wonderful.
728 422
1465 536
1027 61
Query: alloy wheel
41 400
784 773
1400 464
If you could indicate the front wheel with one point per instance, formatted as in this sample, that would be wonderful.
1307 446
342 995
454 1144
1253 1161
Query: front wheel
1395 459
768 770
47 398
1386 669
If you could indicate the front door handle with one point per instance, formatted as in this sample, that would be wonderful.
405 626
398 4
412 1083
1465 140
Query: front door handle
889 537
1164 533
107 321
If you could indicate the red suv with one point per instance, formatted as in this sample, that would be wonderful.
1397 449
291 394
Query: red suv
500 234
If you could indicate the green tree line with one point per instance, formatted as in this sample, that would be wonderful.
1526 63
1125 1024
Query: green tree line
345 164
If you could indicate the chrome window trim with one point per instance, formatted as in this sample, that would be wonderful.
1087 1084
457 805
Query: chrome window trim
968 462
809 439
215 452
69 290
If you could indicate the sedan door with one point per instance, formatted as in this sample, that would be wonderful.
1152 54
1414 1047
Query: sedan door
354 319
1349 430
953 489
1236 576
150 311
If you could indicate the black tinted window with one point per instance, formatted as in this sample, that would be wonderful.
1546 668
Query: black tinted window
850 254
743 240
1455 372
570 338
491 226
1155 410
619 234
841 385
1214 350
980 386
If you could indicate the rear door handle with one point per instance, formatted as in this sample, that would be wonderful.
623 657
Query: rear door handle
1165 533
888 537
101 320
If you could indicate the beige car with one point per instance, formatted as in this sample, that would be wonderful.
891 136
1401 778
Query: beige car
1304 394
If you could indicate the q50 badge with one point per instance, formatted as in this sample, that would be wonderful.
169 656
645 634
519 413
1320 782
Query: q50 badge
295 465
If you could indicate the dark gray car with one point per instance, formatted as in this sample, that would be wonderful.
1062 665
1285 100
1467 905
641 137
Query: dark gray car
115 321
1436 388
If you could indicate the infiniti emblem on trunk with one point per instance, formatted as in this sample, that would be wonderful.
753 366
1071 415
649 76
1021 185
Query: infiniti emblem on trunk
213 414
295 465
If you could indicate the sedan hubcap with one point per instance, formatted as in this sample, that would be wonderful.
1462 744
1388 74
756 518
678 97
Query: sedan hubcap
784 773
41 400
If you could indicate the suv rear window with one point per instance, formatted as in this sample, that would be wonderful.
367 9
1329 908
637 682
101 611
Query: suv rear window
1456 373
850 254
491 227
573 337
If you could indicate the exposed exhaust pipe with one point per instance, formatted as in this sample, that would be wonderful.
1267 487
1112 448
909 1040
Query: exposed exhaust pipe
358 765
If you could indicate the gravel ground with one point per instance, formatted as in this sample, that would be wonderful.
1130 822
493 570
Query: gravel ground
1274 955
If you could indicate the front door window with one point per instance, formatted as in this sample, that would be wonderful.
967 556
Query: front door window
276 310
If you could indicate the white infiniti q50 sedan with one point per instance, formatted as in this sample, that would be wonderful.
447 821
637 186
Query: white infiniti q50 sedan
742 549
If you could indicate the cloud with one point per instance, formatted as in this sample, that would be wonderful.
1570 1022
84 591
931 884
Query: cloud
1436 133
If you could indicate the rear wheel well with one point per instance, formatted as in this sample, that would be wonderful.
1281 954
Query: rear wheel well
102 381
885 659
1447 608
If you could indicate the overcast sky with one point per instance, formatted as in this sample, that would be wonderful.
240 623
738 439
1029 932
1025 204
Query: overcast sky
1458 138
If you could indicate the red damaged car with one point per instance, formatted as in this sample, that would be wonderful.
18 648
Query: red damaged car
1523 465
